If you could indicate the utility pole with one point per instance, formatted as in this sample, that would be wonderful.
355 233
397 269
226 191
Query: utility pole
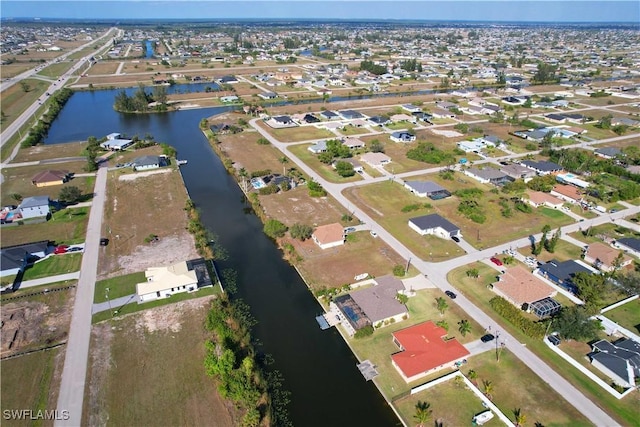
106 295
406 269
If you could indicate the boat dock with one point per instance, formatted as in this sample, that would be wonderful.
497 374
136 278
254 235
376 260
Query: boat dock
327 320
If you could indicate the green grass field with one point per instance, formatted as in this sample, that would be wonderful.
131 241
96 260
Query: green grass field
627 315
299 133
119 286
68 226
54 265
326 171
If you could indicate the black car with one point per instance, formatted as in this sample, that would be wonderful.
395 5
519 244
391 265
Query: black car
553 339
104 242
75 249
487 338
450 294
455 239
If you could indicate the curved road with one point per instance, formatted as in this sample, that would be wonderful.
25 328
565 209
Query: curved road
437 273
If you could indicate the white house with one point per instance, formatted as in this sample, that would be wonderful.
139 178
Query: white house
146 163
375 159
402 136
34 207
435 225
329 236
184 276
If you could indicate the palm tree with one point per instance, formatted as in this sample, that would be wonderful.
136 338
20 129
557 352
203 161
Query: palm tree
488 388
441 305
284 161
473 272
423 412
472 375
520 418
464 326
243 174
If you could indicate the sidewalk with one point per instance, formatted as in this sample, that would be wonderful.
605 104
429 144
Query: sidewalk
50 279
113 304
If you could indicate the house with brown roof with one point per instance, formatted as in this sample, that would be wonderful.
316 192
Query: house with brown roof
568 193
50 177
539 198
605 258
424 349
518 286
329 236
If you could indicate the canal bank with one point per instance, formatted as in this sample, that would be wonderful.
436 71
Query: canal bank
316 366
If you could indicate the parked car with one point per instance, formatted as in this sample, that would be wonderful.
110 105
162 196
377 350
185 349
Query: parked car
61 249
373 233
104 242
450 294
487 338
496 261
349 230
74 249
553 339
455 239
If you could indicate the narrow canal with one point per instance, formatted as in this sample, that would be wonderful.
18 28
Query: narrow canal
318 367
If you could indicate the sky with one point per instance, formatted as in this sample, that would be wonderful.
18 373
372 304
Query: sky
459 10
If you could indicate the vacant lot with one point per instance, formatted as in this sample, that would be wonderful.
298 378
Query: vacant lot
129 383
380 346
334 267
104 67
19 181
299 133
15 100
324 170
246 153
52 151
138 208
67 226
563 251
296 206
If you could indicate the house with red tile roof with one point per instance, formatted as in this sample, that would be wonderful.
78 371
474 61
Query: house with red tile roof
567 192
329 236
518 286
424 349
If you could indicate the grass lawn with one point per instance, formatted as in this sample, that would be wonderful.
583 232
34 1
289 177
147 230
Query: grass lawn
625 410
299 133
15 100
379 347
564 251
326 171
451 403
67 226
55 70
52 151
28 382
119 286
134 308
627 315
353 130
54 265
129 383
607 230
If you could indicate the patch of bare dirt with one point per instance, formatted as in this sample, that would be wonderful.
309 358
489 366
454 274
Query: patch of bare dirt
167 318
134 176
167 250
100 365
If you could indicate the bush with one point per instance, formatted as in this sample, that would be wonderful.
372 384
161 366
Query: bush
426 152
269 189
514 315
263 141
345 169
301 231
70 195
398 270
411 208
274 228
315 189
364 332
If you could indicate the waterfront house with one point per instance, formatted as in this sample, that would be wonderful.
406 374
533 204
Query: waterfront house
278 122
183 276
328 236
50 177
434 224
425 349
147 163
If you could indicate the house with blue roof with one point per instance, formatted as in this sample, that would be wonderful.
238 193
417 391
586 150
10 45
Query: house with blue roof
562 273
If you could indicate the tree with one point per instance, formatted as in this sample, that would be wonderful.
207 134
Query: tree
301 231
274 228
402 298
551 243
464 327
284 162
70 195
25 86
443 324
575 323
160 96
519 418
544 73
629 282
423 412
472 375
591 289
17 197
376 146
473 273
441 305
488 388
92 164
398 270
344 169
242 172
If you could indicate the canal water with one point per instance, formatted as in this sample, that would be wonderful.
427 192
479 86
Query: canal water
317 366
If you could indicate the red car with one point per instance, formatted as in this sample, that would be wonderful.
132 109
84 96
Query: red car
62 249
496 261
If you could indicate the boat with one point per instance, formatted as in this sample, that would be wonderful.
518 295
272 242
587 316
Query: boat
181 162
482 417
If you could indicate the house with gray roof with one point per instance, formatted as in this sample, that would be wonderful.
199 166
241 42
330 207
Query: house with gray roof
402 136
542 167
318 147
14 259
34 207
562 273
608 152
619 360
329 115
434 224
630 245
427 189
517 171
350 114
147 163
488 175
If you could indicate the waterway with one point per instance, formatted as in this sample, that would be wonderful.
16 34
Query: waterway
317 366
150 52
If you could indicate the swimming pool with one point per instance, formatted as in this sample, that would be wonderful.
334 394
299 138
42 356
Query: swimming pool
258 183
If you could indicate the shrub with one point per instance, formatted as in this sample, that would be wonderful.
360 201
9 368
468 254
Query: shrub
315 189
274 228
269 189
364 332
514 315
410 208
263 141
301 231
398 270
426 152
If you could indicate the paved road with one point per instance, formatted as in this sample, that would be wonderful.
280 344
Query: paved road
77 352
50 279
437 273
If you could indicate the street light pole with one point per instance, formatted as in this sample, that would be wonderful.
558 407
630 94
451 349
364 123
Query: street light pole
497 351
